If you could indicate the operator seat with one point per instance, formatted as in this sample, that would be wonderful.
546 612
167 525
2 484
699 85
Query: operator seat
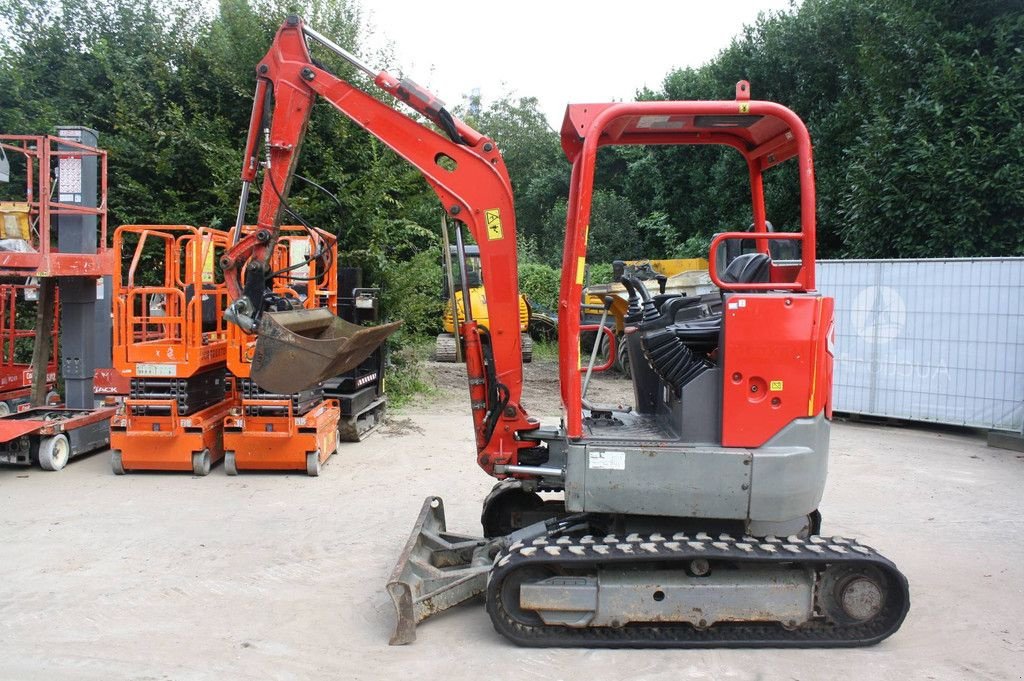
749 268
676 344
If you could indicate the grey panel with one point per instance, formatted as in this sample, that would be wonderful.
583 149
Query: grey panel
85 328
616 597
930 340
789 472
659 481
781 482
699 409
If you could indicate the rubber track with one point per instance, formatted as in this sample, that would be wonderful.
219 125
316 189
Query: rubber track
590 552
349 429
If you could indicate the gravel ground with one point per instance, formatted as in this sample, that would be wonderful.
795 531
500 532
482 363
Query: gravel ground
166 576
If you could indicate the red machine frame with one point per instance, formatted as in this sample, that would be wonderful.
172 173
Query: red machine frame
40 152
775 136
172 345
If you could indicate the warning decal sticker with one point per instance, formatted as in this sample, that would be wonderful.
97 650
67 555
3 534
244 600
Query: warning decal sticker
494 231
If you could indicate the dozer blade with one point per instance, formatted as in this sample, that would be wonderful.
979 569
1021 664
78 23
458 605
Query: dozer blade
436 571
297 349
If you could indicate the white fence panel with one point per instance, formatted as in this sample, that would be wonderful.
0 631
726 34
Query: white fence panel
929 340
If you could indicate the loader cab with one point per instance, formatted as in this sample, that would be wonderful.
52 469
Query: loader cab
474 271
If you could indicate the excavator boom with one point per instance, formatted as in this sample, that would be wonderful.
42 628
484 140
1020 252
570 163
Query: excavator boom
295 348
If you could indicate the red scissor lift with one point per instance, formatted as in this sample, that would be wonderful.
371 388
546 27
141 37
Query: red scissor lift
266 431
62 179
16 340
170 341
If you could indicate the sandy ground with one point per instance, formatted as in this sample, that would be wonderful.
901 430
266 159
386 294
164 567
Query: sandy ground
164 576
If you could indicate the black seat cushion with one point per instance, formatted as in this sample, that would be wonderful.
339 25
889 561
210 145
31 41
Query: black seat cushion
749 268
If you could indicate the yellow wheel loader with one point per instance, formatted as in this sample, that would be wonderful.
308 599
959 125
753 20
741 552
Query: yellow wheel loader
459 281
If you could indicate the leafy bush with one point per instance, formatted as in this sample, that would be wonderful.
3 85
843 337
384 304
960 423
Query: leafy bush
599 273
413 294
540 283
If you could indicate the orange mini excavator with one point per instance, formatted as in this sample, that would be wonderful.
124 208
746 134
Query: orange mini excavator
690 518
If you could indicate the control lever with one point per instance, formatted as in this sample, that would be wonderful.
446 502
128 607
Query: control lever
608 300
633 311
662 281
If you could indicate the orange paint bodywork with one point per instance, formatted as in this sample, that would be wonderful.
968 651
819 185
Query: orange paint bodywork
281 442
167 442
169 341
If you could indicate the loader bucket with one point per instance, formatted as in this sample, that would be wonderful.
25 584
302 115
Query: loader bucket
297 349
436 571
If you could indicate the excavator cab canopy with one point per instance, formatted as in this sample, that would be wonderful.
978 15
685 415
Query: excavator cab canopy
764 133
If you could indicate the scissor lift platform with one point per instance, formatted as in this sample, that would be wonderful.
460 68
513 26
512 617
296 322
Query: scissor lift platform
282 440
157 441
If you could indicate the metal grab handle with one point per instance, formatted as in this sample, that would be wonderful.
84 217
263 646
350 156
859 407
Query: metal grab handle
797 285
597 338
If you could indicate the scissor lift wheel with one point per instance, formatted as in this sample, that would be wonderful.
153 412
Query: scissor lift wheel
313 463
229 463
116 463
54 452
201 463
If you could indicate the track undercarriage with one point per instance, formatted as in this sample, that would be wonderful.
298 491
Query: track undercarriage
566 581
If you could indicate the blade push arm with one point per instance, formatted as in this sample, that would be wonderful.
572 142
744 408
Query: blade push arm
464 169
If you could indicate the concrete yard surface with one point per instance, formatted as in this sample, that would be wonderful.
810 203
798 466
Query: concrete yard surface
280 576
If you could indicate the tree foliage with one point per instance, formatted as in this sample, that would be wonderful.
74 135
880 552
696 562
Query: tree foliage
913 105
169 86
914 110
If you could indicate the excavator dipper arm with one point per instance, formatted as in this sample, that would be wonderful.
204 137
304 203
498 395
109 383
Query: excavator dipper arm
465 170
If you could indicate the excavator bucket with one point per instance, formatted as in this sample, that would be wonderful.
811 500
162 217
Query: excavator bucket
437 570
297 349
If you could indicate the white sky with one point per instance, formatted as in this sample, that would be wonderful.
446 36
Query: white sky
557 51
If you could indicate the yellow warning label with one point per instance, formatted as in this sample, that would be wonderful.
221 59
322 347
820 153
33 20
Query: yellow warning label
586 235
775 386
493 218
744 107
581 267
208 271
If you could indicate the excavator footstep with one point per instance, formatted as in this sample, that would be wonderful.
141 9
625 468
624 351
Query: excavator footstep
297 349
437 570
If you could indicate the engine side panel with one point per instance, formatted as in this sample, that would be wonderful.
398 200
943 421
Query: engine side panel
775 365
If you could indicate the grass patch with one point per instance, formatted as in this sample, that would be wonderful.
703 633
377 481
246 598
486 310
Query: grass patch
545 349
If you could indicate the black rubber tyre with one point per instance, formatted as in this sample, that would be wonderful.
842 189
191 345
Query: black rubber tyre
445 348
622 358
500 506
527 348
